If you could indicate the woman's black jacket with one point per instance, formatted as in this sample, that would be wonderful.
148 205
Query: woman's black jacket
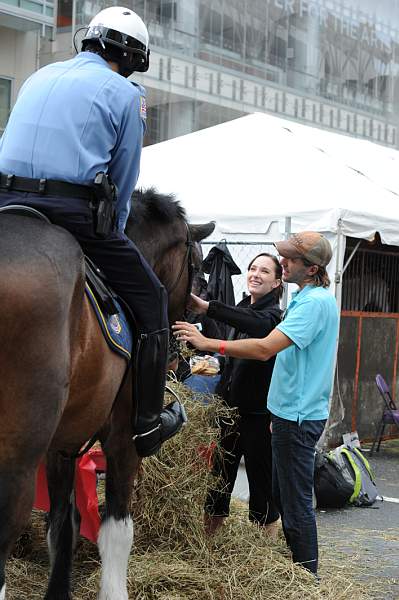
244 382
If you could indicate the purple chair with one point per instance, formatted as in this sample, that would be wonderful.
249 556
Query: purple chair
390 415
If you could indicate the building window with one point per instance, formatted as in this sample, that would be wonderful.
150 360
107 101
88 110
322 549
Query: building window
5 101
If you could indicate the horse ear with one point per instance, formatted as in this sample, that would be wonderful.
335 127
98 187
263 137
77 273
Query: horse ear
200 232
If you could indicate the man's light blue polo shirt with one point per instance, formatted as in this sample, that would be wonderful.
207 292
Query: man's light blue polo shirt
302 378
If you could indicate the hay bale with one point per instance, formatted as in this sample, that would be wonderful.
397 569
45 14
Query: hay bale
172 559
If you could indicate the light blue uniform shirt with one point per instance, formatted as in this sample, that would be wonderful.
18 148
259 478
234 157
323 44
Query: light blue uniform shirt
73 119
302 378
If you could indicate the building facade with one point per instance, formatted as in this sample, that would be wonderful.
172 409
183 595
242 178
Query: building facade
23 24
329 63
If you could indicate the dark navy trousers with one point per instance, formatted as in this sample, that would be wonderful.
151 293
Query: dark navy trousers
127 271
293 447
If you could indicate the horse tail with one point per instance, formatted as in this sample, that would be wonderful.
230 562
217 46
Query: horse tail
41 289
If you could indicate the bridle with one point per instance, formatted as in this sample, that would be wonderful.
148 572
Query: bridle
187 260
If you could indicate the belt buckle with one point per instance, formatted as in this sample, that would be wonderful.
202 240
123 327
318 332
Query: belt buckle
9 182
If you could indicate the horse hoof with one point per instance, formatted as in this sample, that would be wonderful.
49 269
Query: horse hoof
104 595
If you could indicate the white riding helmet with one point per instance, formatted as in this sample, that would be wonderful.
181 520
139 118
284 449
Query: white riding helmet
122 29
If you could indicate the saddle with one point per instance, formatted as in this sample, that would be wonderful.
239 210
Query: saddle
112 314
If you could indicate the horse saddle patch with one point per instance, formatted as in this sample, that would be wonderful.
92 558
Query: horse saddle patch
116 329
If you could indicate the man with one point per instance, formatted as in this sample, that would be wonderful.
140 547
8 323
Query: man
305 344
77 121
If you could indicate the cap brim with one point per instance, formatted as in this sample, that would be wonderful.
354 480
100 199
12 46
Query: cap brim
287 249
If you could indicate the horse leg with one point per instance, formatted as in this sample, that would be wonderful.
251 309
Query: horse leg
116 533
63 524
16 500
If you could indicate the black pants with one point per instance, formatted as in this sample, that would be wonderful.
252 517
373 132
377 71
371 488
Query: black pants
293 468
128 273
250 437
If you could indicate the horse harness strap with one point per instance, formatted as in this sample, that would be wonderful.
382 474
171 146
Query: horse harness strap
105 296
187 259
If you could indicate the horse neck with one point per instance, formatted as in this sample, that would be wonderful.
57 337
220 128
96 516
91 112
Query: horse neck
161 248
157 243
151 245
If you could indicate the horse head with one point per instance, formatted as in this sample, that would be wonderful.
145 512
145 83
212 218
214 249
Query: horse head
158 225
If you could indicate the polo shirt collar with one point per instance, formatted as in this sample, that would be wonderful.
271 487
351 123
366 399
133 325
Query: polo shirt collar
304 291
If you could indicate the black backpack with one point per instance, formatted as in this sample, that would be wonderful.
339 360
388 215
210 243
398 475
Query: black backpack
332 490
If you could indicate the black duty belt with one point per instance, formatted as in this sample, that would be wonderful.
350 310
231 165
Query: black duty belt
45 187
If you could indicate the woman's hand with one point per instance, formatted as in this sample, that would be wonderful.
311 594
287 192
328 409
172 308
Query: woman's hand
198 305
187 332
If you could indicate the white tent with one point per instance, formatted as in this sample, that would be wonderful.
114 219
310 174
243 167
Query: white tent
251 173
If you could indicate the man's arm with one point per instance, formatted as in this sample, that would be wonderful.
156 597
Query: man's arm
257 349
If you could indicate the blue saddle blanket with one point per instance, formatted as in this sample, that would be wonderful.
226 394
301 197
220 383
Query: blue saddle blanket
116 329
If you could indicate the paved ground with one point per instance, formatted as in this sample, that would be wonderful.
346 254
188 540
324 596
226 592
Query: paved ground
370 534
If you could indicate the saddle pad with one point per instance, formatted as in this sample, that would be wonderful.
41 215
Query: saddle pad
116 329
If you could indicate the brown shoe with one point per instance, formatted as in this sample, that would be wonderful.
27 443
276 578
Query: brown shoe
212 523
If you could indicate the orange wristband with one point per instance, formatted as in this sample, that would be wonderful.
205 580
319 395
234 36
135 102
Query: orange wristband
222 348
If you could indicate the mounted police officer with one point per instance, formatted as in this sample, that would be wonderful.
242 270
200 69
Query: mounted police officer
72 150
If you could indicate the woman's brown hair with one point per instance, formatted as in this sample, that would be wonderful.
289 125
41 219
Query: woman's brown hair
278 271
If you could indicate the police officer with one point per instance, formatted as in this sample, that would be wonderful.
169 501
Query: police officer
73 120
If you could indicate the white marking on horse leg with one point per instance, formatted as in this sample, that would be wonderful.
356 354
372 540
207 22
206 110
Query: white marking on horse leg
3 592
114 543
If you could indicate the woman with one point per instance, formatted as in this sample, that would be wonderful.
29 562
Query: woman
244 385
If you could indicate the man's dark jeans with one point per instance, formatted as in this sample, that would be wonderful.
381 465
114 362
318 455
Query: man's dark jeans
293 465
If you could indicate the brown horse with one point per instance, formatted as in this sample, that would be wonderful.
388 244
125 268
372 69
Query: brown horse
61 384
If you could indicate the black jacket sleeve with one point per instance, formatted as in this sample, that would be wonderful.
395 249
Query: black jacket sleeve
254 323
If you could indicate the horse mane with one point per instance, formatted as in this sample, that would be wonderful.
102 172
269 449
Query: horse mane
150 206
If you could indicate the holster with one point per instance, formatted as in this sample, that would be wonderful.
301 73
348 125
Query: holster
105 194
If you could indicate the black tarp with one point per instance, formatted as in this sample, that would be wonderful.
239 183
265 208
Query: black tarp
220 265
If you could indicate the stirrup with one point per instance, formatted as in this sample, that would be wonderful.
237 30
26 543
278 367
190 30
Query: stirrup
172 418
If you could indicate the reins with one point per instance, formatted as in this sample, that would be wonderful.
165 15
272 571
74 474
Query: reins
187 259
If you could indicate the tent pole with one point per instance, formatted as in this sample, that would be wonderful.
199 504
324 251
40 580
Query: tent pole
346 265
338 268
287 234
337 410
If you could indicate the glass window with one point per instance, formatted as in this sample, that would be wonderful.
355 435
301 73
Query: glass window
153 10
32 6
138 6
64 15
168 11
5 101
210 22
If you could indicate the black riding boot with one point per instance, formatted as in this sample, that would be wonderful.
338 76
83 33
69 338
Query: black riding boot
153 424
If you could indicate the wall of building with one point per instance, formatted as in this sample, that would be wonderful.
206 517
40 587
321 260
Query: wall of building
18 56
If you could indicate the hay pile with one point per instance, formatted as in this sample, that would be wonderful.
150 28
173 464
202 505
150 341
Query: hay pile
172 559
